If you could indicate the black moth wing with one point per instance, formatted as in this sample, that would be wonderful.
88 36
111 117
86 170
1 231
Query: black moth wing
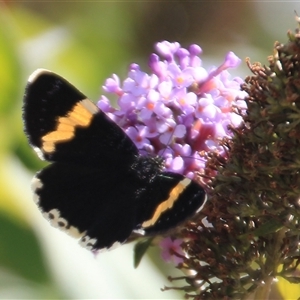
97 207
103 209
63 125
169 200
90 188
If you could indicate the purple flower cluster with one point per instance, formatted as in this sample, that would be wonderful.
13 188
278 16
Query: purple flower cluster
179 111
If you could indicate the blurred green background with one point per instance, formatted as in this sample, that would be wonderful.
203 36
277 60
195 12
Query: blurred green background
86 42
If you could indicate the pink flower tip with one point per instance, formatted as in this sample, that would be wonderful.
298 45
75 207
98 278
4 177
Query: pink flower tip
170 249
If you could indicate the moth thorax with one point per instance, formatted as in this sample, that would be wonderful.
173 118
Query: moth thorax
147 166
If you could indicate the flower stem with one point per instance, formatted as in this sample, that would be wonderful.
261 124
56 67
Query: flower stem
262 293
271 265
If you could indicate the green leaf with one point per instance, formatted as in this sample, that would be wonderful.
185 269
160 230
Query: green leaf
140 249
20 252
10 75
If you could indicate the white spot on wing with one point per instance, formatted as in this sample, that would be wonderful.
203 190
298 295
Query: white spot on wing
115 245
75 233
87 242
62 224
36 198
39 153
139 231
36 184
37 73
90 106
53 216
186 181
